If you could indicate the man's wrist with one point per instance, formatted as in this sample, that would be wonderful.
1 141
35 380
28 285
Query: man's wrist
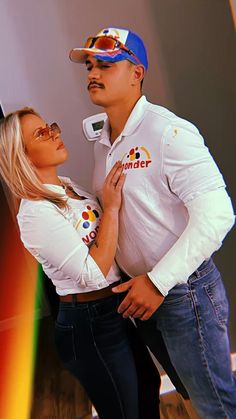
162 292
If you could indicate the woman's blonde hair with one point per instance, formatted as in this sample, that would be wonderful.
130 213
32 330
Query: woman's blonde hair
15 167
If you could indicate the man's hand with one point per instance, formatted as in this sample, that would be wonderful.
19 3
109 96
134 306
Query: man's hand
142 300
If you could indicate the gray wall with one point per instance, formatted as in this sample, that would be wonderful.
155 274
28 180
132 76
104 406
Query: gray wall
199 51
191 46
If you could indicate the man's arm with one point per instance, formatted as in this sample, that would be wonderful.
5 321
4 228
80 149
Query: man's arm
210 218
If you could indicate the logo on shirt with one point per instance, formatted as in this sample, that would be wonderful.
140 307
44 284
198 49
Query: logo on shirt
137 158
89 216
89 223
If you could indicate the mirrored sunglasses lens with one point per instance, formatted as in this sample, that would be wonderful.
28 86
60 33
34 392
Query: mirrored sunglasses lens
103 42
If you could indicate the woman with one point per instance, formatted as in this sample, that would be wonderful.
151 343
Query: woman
59 223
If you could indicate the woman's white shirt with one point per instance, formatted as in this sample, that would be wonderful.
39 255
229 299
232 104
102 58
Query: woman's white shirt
60 239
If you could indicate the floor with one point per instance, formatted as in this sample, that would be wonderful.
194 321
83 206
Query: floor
174 407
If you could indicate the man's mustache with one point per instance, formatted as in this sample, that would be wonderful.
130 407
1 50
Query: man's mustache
93 83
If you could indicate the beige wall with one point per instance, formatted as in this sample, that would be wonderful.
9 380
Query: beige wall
191 46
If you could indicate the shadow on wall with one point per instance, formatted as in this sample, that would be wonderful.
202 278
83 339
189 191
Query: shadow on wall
198 49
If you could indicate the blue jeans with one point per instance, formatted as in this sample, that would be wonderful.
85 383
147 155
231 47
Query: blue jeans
93 344
193 322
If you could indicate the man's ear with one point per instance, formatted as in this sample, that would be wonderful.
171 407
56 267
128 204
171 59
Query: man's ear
138 74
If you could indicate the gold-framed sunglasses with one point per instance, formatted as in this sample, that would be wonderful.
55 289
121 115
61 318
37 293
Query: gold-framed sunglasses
47 133
107 44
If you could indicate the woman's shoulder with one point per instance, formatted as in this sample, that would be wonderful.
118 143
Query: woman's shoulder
35 207
39 216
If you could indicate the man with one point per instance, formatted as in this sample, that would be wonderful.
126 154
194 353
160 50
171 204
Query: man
175 214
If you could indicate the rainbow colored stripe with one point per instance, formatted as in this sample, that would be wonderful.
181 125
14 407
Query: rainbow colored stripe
19 300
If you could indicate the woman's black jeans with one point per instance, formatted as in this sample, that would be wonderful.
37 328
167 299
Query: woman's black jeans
96 345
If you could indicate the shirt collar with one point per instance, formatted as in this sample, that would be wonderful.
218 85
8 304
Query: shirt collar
132 123
105 134
59 188
67 181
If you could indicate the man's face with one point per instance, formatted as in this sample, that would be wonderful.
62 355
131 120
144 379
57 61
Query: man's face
109 83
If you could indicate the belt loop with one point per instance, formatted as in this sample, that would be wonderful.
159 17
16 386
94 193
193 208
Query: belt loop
74 299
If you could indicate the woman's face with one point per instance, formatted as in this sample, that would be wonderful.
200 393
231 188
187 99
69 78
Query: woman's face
44 146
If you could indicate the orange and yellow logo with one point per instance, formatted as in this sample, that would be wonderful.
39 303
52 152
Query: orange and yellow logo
137 158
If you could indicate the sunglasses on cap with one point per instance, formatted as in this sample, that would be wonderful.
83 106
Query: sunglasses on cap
107 44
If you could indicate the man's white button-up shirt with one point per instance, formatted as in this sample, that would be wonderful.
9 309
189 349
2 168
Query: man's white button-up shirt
175 210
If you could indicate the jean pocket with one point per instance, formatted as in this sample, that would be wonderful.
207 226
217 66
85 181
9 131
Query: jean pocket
65 340
178 295
217 296
106 308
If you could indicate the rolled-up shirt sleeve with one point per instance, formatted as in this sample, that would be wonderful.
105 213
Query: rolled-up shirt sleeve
211 217
52 239
193 176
